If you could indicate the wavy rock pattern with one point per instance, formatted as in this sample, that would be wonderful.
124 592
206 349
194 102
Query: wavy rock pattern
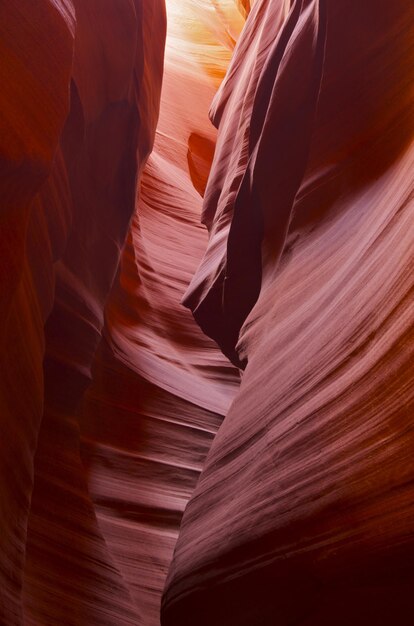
88 531
76 127
303 512
160 386
124 426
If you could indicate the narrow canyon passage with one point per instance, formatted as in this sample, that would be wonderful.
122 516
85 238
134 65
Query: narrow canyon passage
206 297
161 387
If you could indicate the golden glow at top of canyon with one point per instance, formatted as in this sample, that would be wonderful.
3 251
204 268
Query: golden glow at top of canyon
203 32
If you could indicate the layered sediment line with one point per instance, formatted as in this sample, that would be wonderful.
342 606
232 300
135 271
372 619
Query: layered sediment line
78 115
303 511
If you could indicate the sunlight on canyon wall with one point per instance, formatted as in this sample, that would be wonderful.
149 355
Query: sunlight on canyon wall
303 512
161 388
76 522
253 160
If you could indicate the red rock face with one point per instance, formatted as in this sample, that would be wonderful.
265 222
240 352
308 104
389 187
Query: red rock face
288 232
34 104
303 513
78 116
88 530
160 387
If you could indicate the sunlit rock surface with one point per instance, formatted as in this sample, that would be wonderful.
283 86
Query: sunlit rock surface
289 236
304 510
160 386
88 531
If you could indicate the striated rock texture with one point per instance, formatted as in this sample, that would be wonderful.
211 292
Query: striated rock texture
304 512
160 387
80 94
93 486
119 412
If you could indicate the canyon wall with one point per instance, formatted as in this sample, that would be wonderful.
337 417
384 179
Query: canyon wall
93 486
79 105
303 513
160 387
268 427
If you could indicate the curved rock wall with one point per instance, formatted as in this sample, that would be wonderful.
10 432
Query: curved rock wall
160 386
88 530
34 104
117 409
303 512
78 114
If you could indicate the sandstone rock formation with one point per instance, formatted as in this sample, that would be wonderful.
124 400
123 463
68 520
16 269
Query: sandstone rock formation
160 387
78 113
87 531
288 232
303 513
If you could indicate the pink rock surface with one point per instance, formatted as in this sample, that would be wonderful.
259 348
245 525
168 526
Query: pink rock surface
160 387
288 232
303 512
83 542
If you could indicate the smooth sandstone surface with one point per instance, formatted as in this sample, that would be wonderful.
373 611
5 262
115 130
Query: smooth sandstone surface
34 104
78 117
160 387
82 540
268 428
303 513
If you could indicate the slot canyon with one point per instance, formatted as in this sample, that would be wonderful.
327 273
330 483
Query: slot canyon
207 306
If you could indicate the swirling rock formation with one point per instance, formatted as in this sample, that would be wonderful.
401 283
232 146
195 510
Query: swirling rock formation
160 387
304 510
88 531
119 412
78 113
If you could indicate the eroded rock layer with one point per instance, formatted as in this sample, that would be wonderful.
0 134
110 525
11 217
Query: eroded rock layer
88 529
289 234
79 108
160 387
303 513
